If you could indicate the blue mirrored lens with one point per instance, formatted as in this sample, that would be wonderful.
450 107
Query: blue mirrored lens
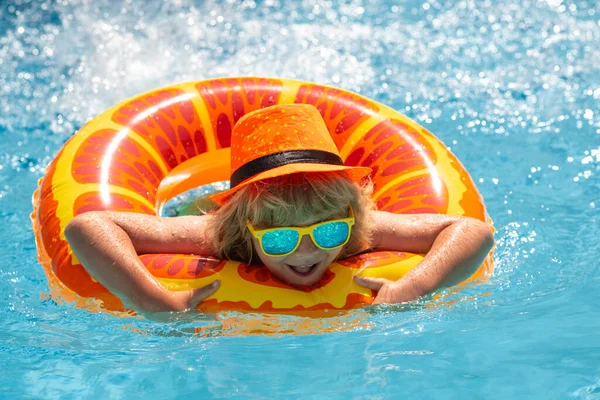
280 241
332 234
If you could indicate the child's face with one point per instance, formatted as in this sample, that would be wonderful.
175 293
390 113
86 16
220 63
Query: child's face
305 266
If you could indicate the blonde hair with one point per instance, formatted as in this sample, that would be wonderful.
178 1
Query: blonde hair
291 200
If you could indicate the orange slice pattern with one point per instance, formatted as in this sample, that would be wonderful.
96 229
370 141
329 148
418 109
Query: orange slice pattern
182 267
172 127
228 100
117 161
342 111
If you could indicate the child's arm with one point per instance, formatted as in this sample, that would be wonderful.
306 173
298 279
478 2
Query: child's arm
455 247
108 243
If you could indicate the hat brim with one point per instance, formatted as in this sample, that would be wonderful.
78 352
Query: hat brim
357 174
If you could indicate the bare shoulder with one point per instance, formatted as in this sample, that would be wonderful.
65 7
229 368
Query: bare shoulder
384 220
416 232
153 234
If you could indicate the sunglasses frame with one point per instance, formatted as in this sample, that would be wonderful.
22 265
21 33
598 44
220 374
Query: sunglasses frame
302 231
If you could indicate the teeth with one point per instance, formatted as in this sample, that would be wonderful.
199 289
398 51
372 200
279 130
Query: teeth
303 269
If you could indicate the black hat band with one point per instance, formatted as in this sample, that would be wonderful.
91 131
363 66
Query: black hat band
275 160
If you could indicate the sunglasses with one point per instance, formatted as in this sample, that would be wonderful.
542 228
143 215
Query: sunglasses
283 241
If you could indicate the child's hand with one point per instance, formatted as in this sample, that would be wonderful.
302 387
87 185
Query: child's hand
189 299
389 292
165 302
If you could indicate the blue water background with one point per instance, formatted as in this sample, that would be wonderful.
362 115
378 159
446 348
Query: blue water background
513 88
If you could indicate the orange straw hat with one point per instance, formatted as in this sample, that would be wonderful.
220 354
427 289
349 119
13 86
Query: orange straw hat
281 140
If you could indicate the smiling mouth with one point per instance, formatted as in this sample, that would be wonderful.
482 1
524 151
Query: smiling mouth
303 270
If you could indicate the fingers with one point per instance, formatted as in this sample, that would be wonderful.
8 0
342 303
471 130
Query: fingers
202 293
370 283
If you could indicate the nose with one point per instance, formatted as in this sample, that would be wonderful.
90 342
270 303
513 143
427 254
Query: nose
306 245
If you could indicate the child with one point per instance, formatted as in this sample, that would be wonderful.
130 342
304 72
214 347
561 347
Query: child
294 207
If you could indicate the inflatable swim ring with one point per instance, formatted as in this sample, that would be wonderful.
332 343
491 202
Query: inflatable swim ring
144 151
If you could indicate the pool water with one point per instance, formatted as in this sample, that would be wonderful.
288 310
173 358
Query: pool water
513 88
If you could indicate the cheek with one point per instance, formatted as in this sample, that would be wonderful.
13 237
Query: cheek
268 261
257 250
334 254
256 246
